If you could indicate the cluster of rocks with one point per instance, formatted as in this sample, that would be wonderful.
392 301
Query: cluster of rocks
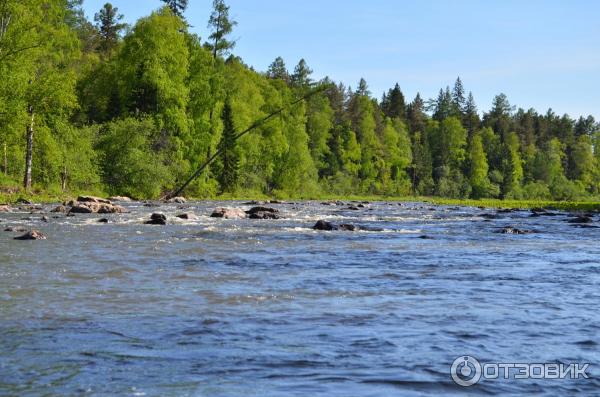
89 205
253 213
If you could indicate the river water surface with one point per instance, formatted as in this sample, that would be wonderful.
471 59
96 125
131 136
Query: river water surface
214 307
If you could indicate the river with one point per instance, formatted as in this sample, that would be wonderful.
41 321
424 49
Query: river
214 307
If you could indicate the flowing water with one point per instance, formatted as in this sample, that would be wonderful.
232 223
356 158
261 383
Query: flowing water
214 307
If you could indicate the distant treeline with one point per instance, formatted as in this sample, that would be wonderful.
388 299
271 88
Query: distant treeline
134 110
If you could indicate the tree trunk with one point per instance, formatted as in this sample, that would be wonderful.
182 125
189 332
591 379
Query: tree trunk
29 152
5 159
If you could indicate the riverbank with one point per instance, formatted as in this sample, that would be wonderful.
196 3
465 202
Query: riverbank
15 197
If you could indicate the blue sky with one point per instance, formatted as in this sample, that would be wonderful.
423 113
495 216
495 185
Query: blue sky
540 53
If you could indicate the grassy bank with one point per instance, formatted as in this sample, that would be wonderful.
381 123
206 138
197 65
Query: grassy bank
10 197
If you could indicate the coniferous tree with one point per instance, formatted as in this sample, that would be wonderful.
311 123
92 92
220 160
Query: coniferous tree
229 173
393 103
458 99
301 76
177 6
471 116
109 28
221 26
277 70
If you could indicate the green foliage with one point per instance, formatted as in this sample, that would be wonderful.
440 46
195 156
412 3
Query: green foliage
136 115
129 165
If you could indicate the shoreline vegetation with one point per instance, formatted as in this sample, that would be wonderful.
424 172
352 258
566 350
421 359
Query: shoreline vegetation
572 206
101 107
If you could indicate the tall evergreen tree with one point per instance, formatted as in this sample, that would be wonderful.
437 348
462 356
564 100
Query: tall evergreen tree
471 116
229 173
109 28
301 76
177 6
221 26
393 104
277 70
458 99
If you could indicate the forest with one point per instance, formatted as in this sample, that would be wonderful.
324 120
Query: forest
95 105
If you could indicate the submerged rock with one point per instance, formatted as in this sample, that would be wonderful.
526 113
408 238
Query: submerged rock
514 230
324 225
187 216
60 209
102 220
157 219
45 219
16 229
581 219
353 208
228 213
32 235
328 226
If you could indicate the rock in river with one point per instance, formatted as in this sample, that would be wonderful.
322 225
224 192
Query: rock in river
187 216
4 208
328 226
228 213
32 235
581 219
514 230
157 219
177 200
263 213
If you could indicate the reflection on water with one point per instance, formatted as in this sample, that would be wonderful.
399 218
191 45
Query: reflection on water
271 308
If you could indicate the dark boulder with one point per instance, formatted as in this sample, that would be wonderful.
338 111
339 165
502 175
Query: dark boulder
21 200
32 235
324 225
157 219
263 213
102 220
581 219
328 226
187 216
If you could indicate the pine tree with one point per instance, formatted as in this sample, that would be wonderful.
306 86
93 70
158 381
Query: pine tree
301 76
416 115
471 116
222 27
393 104
277 70
363 88
229 175
458 98
177 6
109 28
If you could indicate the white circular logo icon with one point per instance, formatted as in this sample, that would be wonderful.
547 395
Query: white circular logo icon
466 371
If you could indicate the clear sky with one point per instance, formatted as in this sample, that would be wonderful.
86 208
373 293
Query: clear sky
540 53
